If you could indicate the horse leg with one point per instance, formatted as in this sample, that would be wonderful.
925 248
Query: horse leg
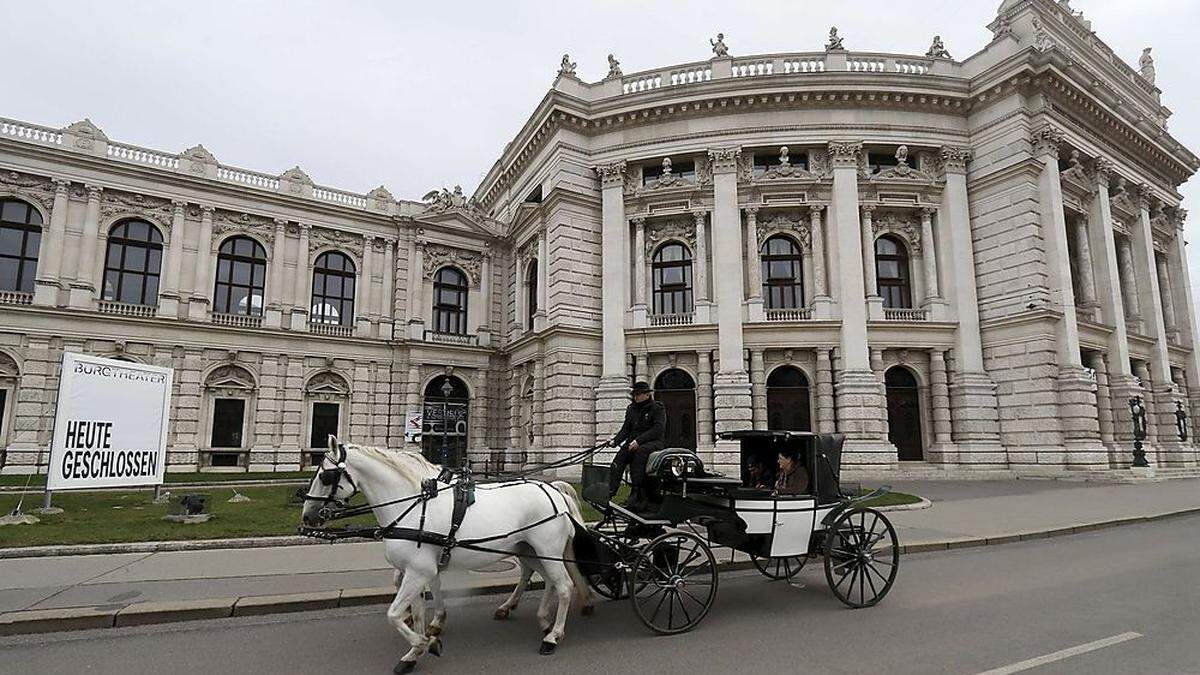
439 608
543 612
397 579
510 603
558 582
410 588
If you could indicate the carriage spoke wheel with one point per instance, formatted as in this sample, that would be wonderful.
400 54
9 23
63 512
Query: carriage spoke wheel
782 567
862 557
673 582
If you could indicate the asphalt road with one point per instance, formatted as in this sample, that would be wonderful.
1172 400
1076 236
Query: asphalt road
965 611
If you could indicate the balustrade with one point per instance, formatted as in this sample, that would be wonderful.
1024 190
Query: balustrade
681 319
245 177
132 153
127 309
794 314
15 298
339 196
451 338
30 132
332 329
905 314
237 320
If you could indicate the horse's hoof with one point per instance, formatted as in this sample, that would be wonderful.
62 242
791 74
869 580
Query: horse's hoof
547 648
435 647
588 610
433 631
501 614
404 667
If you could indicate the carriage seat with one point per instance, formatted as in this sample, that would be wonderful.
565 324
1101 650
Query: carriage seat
659 462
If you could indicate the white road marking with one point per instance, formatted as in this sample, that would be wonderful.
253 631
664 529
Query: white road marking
1063 654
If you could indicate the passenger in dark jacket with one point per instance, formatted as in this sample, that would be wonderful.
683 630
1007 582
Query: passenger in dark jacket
641 434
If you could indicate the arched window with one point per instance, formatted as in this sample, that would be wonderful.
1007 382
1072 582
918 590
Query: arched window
241 277
333 289
20 236
132 263
672 279
891 272
450 301
782 277
531 292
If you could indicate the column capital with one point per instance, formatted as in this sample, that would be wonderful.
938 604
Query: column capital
178 205
927 212
844 154
639 221
867 210
280 223
94 191
815 209
937 355
1045 140
611 175
207 211
1102 171
1145 196
724 160
954 159
304 228
61 185
699 216
751 212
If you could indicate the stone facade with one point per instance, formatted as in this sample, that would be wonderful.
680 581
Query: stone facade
1031 189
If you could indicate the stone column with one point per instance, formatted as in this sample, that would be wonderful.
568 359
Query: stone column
301 298
613 389
1170 450
366 285
704 403
543 271
929 254
1129 286
84 290
731 384
484 330
275 288
169 296
1110 291
703 305
861 411
639 272
822 303
1146 390
1083 263
975 425
870 280
826 423
387 299
204 268
1076 391
754 305
1177 257
641 367
416 291
758 389
1104 401
1168 306
943 450
54 235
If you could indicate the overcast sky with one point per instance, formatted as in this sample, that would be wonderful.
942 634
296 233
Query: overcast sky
417 95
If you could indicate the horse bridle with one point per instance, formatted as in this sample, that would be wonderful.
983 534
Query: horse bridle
333 478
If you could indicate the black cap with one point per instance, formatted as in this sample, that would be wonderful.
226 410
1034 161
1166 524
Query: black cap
641 388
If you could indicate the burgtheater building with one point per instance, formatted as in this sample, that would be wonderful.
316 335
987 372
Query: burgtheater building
965 264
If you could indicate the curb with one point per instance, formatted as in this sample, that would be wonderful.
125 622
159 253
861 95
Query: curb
25 622
155 546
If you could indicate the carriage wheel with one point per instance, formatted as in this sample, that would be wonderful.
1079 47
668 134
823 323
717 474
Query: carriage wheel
784 567
862 557
673 582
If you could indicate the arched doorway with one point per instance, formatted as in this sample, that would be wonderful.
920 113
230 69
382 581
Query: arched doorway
904 413
677 392
444 431
788 406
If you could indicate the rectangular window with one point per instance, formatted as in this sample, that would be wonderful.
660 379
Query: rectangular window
228 419
324 423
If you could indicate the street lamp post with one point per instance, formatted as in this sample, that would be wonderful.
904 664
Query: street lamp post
1138 411
446 389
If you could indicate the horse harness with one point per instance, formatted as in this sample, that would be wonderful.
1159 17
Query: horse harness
462 483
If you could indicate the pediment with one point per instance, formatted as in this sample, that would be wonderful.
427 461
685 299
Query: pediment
461 220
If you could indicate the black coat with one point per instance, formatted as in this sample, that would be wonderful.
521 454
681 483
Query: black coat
645 423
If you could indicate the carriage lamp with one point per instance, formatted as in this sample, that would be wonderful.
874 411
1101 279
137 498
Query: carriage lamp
193 504
1137 411
1181 421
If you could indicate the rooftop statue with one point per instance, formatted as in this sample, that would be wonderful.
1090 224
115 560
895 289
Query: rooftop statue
1146 66
835 42
718 46
614 67
567 69
938 50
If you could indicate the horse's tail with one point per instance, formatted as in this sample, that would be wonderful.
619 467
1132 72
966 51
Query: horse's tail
582 590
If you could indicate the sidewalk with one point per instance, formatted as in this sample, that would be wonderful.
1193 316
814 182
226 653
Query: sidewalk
54 593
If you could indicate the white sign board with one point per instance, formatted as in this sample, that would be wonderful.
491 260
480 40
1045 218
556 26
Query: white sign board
413 422
110 429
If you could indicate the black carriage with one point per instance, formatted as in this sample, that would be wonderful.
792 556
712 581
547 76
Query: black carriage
662 558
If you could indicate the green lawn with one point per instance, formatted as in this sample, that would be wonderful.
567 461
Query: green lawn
206 477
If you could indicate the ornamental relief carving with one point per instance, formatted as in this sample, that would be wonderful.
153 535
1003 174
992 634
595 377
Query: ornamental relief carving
846 154
157 209
320 237
797 228
677 229
28 186
784 169
326 386
227 222
901 225
902 170
438 256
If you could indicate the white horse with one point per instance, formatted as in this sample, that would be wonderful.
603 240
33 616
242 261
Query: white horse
528 517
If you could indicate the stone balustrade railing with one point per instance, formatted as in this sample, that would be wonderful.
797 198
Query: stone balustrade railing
252 178
30 132
450 338
126 309
680 319
332 329
778 65
237 320
905 314
132 153
15 298
796 314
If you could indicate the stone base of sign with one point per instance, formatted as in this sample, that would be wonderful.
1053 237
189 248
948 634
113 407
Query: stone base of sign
188 520
19 519
48 511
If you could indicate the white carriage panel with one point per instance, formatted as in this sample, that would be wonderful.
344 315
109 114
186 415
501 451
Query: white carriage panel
759 514
821 513
793 527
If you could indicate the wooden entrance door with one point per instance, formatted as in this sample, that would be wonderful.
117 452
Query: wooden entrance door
904 414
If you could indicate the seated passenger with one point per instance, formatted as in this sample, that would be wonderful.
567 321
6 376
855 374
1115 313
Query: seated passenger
758 475
793 477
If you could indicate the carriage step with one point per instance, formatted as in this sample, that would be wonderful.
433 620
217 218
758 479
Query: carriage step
637 517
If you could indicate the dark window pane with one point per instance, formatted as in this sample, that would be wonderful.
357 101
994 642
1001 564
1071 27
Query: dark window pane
238 299
150 296
228 416
154 262
11 241
223 269
8 274
324 424
14 212
135 258
131 288
33 239
114 255
138 230
241 273
260 272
